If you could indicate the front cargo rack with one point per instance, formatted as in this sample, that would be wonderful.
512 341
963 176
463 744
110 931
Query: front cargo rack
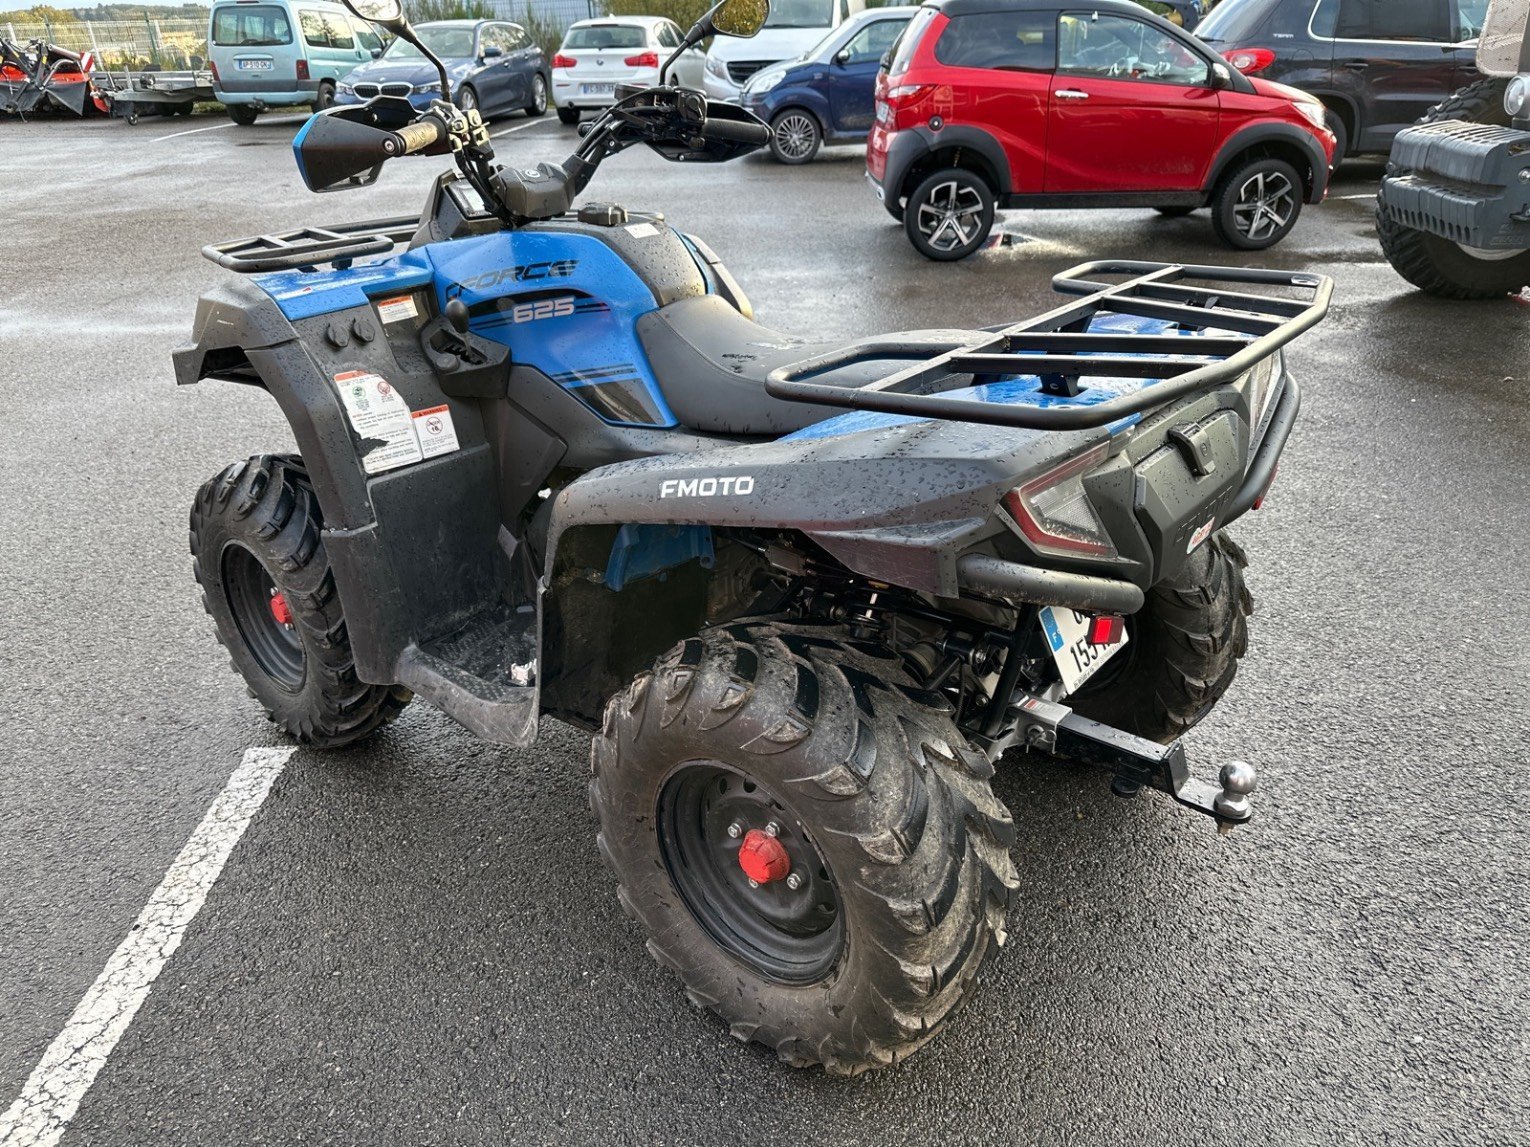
305 248
1059 348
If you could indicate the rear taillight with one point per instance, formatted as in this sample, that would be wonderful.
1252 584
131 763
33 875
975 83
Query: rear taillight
562 61
905 105
302 69
646 60
1053 511
1251 60
213 68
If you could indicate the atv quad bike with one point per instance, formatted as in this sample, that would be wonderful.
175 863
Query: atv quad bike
1453 213
805 595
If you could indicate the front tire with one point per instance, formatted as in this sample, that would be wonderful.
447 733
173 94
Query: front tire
325 97
1257 203
538 105
1438 266
1186 642
884 815
949 215
568 116
466 100
795 136
258 554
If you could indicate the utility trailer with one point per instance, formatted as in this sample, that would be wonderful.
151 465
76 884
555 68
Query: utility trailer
129 95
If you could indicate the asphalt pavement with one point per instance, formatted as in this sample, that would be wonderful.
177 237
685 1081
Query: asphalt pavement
415 942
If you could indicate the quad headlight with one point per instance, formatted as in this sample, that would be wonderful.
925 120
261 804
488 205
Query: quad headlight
1517 95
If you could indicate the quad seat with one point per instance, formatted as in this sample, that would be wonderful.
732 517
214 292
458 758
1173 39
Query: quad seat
711 363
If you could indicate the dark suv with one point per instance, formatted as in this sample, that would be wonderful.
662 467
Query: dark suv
1377 65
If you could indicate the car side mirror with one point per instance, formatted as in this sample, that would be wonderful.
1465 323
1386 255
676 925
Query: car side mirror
491 50
376 53
1221 78
842 56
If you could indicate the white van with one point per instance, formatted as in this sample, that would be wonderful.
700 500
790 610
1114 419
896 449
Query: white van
794 26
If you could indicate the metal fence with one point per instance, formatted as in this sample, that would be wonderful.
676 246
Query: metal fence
123 43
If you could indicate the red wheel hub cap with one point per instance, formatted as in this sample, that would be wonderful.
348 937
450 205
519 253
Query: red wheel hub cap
281 610
763 858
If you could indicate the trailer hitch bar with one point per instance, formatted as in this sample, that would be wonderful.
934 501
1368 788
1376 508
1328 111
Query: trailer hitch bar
1133 762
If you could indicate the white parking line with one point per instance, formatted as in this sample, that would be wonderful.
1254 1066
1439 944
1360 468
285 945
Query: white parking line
221 126
520 127
52 1093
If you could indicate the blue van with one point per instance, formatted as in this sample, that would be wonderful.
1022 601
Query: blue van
283 53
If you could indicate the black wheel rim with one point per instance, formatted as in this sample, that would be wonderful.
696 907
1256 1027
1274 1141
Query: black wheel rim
793 935
250 590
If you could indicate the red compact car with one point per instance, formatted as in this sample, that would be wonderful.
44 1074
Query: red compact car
1039 103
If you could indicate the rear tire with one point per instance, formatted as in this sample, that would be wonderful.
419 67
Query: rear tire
1185 644
258 554
900 847
568 116
325 97
538 105
1340 131
1257 203
949 215
242 114
1436 265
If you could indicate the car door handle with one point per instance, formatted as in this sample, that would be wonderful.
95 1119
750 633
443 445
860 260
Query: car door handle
1356 65
1070 94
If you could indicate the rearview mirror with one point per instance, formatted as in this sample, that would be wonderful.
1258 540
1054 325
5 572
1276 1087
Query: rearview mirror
740 18
842 56
1221 77
492 50
384 12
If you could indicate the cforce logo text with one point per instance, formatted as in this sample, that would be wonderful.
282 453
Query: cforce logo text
525 273
705 487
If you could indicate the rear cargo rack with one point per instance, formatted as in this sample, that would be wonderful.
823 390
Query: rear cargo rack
1059 348
308 247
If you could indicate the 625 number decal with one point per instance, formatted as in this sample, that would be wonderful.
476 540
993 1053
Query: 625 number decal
542 309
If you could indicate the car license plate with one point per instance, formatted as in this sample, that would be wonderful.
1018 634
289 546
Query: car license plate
596 89
1067 634
254 65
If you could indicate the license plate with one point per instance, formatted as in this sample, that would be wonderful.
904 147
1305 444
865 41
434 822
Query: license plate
1067 634
253 65
596 89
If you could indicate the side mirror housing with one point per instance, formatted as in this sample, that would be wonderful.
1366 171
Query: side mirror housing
1221 77
376 53
842 56
492 50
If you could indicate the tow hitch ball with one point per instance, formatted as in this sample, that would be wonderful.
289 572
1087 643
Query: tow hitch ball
1135 763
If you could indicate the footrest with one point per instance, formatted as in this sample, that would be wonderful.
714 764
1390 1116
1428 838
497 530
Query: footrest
483 676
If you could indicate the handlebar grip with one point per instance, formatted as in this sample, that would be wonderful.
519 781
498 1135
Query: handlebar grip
735 131
416 137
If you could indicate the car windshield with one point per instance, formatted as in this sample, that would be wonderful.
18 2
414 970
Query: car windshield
448 43
800 14
604 36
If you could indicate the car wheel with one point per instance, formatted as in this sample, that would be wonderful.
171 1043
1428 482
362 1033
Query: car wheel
1341 135
538 104
569 116
242 114
1257 204
949 215
467 99
325 97
795 136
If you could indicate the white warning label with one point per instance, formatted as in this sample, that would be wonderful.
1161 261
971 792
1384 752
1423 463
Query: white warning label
435 431
396 310
378 412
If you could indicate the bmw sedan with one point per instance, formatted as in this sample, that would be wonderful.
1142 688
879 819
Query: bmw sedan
493 65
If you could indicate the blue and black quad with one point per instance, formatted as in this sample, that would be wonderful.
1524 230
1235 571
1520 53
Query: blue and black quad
805 595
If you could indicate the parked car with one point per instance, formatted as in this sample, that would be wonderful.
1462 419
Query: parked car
792 28
596 55
493 66
1037 103
1377 65
283 53
828 94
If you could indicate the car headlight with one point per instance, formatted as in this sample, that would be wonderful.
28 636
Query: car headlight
1314 113
344 88
762 82
717 67
433 86
1516 95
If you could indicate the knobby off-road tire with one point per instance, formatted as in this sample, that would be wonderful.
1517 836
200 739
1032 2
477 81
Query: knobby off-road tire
867 770
1185 644
255 528
1434 264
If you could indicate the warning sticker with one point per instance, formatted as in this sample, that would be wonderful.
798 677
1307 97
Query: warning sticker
378 412
436 433
642 230
396 310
